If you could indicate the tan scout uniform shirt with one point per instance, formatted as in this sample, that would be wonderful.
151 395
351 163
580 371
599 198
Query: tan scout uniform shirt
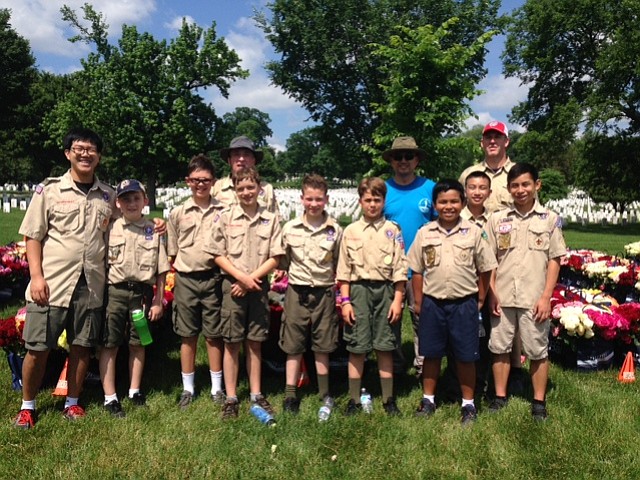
136 252
500 196
372 251
246 242
311 254
189 229
481 221
225 192
450 261
72 227
524 244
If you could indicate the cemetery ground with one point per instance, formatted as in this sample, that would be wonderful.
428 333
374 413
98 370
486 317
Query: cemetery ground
591 431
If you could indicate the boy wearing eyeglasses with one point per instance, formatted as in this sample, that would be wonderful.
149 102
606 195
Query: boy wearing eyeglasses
197 291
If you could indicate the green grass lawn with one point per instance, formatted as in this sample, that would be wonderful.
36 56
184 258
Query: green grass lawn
590 434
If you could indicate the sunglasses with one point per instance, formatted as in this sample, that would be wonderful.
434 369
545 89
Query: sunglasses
200 181
408 156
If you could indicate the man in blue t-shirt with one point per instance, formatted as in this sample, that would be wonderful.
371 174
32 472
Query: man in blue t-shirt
409 204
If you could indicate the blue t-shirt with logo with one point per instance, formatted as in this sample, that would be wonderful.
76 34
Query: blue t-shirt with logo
410 206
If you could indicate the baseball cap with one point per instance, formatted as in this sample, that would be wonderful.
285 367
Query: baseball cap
130 185
497 126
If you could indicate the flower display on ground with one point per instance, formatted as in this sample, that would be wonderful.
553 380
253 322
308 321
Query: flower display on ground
11 333
14 269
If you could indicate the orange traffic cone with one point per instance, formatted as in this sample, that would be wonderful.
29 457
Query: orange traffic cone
304 375
61 386
627 372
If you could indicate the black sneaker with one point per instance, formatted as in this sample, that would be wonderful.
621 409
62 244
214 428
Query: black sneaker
186 398
353 408
390 407
25 419
426 408
539 412
291 405
497 404
230 409
469 414
262 401
219 397
138 399
115 409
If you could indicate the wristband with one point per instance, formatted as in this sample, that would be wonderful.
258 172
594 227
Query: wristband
345 300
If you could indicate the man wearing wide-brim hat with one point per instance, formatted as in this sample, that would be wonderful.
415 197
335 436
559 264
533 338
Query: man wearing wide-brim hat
409 203
241 153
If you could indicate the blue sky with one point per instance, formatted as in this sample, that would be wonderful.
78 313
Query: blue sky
40 22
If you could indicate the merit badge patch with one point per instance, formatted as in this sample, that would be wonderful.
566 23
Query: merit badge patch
389 233
261 192
505 228
464 231
40 188
430 253
543 216
400 240
105 196
504 241
264 221
559 222
148 232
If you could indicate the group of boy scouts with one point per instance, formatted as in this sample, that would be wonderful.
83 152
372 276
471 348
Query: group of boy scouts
486 258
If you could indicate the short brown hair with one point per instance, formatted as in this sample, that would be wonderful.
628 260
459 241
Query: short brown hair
374 185
245 173
201 162
313 180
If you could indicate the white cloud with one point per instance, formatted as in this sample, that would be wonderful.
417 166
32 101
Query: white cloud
40 21
501 93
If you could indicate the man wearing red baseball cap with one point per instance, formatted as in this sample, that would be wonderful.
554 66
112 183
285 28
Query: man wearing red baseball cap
496 164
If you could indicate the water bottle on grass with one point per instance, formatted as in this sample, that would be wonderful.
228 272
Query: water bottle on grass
366 401
262 415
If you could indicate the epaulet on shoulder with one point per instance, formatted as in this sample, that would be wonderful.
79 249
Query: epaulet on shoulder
49 180
395 223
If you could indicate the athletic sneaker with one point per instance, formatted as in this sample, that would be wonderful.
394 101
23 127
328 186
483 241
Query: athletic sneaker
291 405
497 404
539 412
390 407
115 409
219 397
426 408
230 409
138 399
469 414
25 419
353 408
186 398
73 413
262 401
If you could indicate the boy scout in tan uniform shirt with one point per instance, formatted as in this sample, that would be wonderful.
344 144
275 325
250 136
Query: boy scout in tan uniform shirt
369 251
136 252
523 246
500 196
189 230
224 191
480 221
72 228
450 261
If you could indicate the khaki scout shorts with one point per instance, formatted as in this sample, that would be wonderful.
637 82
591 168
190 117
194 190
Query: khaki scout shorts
44 325
534 335
372 330
196 304
118 325
309 312
245 318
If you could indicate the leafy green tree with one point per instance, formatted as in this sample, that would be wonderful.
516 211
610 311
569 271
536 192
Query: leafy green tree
580 59
143 97
326 60
428 82
554 185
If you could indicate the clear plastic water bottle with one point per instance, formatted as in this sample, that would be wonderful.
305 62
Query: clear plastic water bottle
325 410
365 401
481 331
262 415
141 326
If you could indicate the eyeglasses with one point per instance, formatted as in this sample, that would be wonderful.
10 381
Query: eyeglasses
80 150
200 181
408 156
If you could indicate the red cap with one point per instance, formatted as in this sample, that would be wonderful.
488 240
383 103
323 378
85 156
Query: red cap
497 126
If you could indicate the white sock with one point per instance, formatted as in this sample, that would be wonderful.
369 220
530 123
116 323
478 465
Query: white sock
467 402
133 391
28 405
188 382
216 381
431 398
70 402
110 398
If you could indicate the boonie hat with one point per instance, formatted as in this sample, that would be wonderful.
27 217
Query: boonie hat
497 126
130 185
404 144
241 142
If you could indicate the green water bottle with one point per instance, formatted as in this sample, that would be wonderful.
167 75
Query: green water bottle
141 326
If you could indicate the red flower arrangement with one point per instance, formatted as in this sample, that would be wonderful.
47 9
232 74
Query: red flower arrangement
11 334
